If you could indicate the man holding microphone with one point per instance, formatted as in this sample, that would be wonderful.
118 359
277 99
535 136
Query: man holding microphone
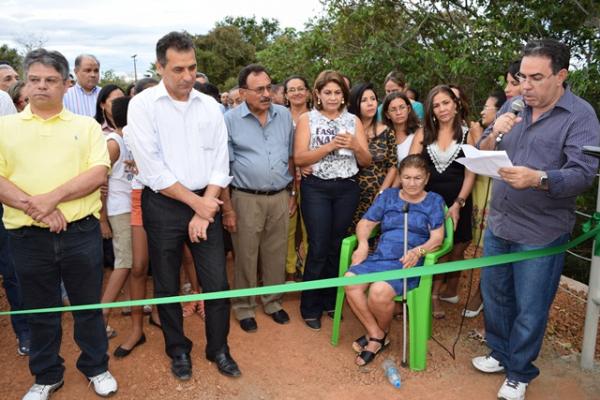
532 207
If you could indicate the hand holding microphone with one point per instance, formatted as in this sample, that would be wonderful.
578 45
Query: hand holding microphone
505 122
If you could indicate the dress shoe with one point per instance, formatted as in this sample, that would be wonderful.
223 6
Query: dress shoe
313 323
248 324
225 364
120 352
181 366
281 317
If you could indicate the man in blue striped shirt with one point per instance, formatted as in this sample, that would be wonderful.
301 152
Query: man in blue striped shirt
81 98
532 207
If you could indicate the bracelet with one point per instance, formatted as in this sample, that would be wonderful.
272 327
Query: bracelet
293 193
461 202
422 251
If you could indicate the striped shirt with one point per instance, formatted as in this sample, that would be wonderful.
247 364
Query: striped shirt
78 101
552 144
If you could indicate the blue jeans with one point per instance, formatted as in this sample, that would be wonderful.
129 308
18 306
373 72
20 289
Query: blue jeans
517 298
42 259
11 284
327 209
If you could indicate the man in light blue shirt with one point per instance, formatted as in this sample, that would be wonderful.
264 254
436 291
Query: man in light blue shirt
81 97
260 156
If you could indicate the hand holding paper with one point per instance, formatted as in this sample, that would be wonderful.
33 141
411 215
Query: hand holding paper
484 162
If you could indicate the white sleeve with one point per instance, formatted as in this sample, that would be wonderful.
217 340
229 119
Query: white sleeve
6 105
220 173
142 139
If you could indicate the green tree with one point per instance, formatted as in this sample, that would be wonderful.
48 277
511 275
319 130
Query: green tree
258 34
11 56
222 53
109 77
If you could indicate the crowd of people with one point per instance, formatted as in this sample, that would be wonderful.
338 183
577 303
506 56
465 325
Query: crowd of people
173 173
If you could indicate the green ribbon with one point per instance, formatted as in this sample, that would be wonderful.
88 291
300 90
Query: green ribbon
443 268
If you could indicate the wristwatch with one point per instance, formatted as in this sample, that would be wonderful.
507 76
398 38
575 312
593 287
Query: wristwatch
422 251
461 202
543 182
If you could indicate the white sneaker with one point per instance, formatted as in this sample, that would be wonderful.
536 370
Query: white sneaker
487 364
104 384
42 392
512 390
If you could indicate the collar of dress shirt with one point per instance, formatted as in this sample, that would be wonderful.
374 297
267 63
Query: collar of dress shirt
161 91
245 111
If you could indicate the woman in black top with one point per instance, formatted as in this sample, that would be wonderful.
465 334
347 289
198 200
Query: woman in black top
440 143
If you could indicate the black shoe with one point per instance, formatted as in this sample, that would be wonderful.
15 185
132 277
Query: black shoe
281 317
151 321
181 366
120 352
248 324
225 364
313 323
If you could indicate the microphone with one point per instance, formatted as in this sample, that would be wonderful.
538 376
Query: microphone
516 107
405 208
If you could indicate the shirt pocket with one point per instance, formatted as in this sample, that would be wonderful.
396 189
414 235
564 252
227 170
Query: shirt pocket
545 154
206 137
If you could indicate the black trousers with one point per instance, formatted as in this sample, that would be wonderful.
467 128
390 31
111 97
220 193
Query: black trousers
166 223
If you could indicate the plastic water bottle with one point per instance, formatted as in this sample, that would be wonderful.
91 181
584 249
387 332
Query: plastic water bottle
391 371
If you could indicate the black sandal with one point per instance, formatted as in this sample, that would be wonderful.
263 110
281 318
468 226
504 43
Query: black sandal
368 356
359 344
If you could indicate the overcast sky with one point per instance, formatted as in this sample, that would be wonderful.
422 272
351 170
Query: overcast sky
114 30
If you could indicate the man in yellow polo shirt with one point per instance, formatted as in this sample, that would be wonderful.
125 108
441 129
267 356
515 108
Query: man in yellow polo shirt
52 163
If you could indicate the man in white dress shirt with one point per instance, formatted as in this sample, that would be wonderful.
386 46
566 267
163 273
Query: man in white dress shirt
179 141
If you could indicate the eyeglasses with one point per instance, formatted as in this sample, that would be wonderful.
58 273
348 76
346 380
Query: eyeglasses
485 108
50 81
397 109
534 79
294 90
260 90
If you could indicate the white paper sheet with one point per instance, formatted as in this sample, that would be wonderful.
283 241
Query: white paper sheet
484 162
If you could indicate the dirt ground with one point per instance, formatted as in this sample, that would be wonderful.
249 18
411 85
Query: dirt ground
293 362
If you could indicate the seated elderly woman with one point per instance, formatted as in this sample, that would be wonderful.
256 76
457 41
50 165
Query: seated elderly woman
425 234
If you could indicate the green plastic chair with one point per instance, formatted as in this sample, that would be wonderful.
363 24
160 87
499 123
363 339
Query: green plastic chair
418 299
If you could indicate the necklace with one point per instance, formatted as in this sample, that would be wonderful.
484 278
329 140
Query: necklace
443 158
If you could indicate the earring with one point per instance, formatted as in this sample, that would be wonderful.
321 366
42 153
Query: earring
342 101
318 100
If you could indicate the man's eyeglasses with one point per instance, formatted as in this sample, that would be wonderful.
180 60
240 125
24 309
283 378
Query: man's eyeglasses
534 79
260 90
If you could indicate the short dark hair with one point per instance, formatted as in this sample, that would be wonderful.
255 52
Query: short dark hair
202 75
80 58
558 53
413 161
247 70
412 122
119 111
208 89
323 79
415 92
500 97
52 59
178 41
144 84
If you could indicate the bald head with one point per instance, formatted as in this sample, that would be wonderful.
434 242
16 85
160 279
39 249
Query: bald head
87 70
8 76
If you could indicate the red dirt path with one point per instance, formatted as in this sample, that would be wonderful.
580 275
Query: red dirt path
292 362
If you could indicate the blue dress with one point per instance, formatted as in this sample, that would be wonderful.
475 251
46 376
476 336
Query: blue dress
387 209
